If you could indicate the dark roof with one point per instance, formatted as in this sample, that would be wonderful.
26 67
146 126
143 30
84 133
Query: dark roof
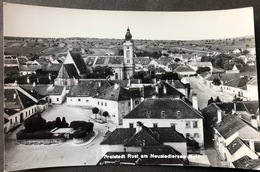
104 60
115 93
11 69
210 114
237 82
86 88
68 71
252 106
10 112
146 151
173 109
230 125
247 163
152 136
235 145
176 83
184 69
228 106
51 67
30 67
79 62
6 120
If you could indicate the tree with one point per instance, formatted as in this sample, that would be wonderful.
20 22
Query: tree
210 100
101 72
235 99
216 81
217 99
177 60
95 111
202 70
64 123
58 122
35 123
105 114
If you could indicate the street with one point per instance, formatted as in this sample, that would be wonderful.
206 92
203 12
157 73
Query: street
204 93
18 157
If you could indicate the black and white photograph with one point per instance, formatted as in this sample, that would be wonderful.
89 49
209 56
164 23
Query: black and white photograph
85 87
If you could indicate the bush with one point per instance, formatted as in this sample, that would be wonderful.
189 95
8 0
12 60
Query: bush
79 133
87 126
35 124
22 134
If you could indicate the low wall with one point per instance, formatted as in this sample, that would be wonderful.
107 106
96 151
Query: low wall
41 141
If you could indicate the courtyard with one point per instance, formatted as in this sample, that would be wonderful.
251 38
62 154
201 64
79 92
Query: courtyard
18 157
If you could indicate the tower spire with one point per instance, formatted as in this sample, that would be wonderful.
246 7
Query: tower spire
128 35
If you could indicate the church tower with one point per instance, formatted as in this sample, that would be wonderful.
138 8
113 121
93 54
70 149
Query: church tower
128 45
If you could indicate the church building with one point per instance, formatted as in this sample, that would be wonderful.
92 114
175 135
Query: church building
123 66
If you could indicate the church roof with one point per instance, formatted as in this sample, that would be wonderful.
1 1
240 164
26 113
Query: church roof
68 71
104 60
79 62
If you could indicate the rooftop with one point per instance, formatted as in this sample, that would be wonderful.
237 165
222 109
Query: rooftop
235 145
164 108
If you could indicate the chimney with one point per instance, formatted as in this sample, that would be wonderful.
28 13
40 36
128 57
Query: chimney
28 80
116 86
254 122
142 93
143 142
14 96
129 82
139 81
154 80
99 84
38 81
173 83
131 104
34 84
164 89
186 92
195 102
167 81
139 126
157 89
252 145
219 116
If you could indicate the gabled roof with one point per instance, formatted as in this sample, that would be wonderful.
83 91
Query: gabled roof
210 113
229 106
170 108
87 88
237 82
29 67
184 69
246 162
68 71
115 93
152 137
235 145
230 125
253 81
79 62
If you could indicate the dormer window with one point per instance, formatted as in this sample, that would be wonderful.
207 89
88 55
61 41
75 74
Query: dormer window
163 114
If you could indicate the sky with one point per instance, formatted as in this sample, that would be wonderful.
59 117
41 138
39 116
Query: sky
36 21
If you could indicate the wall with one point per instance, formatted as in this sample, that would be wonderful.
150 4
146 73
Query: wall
179 146
252 92
180 126
234 91
84 101
249 133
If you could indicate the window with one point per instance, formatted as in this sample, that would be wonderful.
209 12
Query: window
129 103
57 99
79 100
35 109
195 124
87 100
131 125
187 124
136 102
128 61
196 135
26 113
16 119
98 103
101 103
163 114
105 104
173 125
11 121
155 125
187 135
127 47
113 116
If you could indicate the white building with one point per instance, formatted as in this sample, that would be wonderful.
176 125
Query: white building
252 89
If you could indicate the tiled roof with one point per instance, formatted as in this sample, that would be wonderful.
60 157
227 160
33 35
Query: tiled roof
69 71
79 62
237 82
200 64
184 69
230 125
104 60
86 88
11 61
152 136
164 108
252 106
247 163
51 67
11 69
253 81
29 67
210 114
235 145
115 93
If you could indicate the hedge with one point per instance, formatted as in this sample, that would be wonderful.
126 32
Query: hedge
79 133
21 135
87 126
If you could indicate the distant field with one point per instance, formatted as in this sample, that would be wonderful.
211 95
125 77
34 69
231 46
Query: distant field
54 50
23 50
